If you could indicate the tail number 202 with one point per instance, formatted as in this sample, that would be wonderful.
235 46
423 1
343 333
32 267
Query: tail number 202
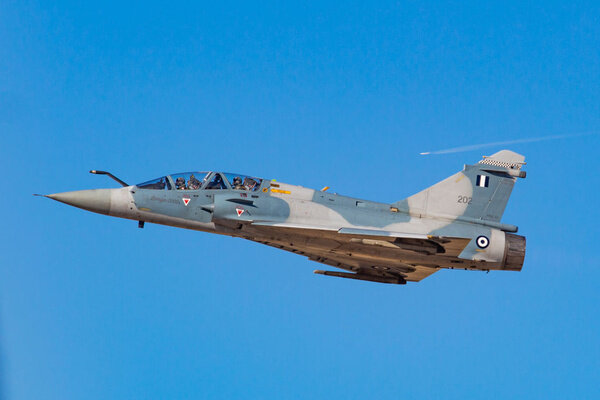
464 199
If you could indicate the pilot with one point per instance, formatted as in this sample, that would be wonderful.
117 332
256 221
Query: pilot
193 183
237 184
217 183
250 184
180 183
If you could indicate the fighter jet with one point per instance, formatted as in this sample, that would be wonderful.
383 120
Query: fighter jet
454 224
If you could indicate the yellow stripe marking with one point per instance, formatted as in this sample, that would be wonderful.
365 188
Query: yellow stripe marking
280 191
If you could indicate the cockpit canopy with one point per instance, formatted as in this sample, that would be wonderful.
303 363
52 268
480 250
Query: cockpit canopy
203 180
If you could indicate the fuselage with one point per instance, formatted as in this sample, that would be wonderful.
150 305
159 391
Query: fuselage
280 215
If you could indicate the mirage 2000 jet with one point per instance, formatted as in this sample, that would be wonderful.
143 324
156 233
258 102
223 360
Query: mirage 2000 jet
452 224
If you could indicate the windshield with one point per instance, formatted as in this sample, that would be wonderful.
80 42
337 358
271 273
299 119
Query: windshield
157 184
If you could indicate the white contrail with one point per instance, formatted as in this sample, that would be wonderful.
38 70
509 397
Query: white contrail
528 140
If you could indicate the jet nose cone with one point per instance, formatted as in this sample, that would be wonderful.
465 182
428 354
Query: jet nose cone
96 200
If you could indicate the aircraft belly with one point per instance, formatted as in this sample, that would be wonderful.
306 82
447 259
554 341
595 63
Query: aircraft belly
388 252
354 261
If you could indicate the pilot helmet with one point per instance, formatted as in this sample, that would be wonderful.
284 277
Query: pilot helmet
237 180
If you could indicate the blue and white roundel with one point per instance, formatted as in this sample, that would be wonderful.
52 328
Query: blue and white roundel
482 242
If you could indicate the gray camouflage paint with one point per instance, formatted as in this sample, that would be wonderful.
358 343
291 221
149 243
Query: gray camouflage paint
406 240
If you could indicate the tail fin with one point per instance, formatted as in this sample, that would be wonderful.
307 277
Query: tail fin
479 191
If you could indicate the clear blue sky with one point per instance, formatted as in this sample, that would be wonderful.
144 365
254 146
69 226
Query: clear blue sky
342 94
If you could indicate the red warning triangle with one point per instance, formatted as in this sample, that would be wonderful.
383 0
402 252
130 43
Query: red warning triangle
186 200
240 211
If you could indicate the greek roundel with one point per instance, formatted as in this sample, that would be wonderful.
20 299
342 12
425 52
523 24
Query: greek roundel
483 181
482 242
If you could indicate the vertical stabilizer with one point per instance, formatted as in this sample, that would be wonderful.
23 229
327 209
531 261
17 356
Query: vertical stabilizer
479 191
